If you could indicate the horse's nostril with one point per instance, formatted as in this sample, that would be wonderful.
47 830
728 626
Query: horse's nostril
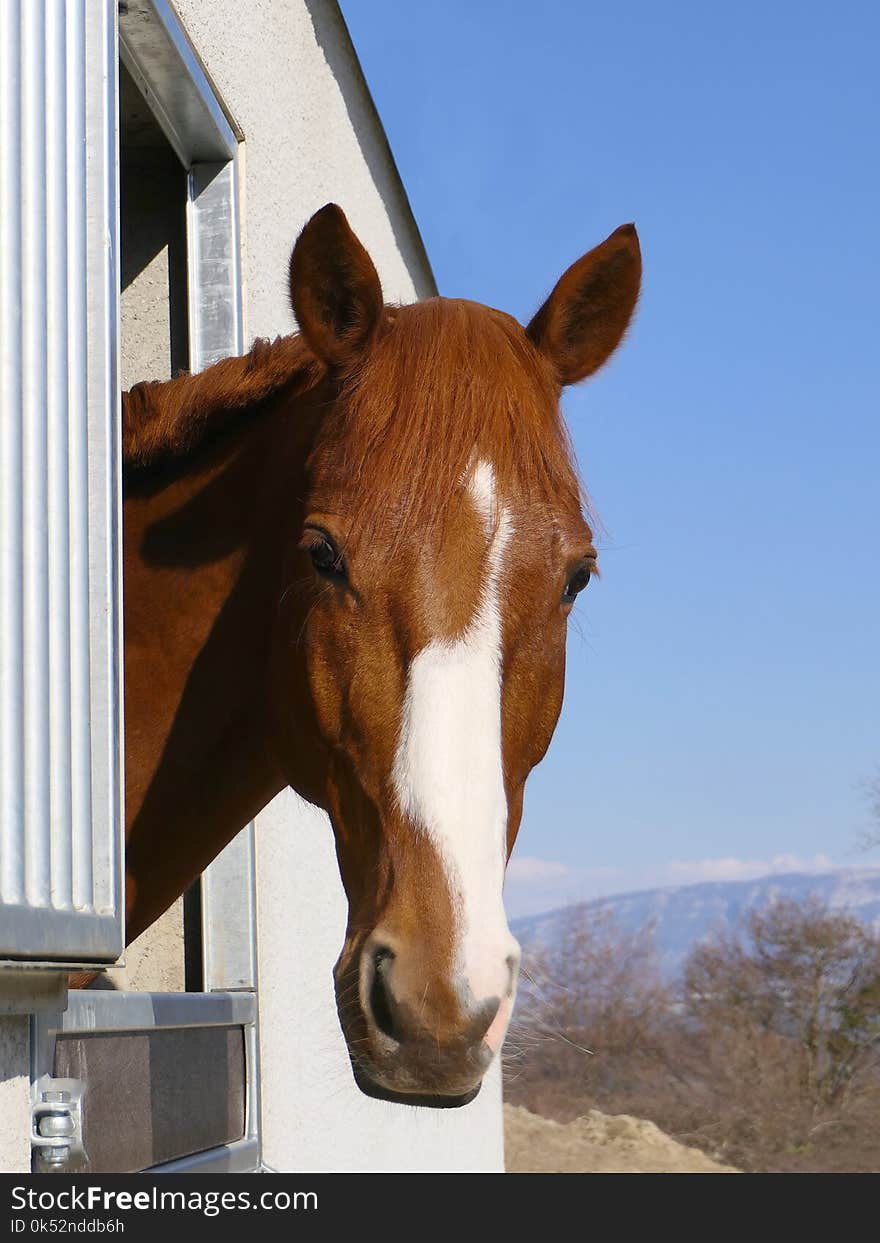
512 963
484 1018
379 998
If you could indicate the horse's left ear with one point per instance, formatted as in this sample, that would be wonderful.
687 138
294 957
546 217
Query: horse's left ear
582 322
335 289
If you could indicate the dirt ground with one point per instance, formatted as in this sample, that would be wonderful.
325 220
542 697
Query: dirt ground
597 1144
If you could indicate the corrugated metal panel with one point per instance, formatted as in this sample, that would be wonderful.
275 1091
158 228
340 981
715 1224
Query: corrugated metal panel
60 726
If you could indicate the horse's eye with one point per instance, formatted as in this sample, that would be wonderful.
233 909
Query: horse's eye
325 556
577 581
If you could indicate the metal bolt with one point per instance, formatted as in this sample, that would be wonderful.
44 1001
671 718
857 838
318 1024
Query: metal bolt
55 1156
51 1125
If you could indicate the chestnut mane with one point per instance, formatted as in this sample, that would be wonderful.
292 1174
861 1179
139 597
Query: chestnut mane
446 382
171 418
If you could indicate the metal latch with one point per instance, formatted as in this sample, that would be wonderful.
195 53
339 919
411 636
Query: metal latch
57 1125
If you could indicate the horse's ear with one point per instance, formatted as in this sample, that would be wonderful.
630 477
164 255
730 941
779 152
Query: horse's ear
335 290
582 322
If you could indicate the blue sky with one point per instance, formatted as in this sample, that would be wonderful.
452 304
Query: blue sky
723 684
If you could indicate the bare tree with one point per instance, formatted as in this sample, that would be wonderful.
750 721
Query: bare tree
592 1007
870 838
767 1052
786 1013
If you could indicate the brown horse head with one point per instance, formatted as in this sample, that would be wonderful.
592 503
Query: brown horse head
417 661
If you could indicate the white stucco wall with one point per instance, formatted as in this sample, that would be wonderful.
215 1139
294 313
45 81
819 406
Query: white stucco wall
285 71
15 1096
314 1118
288 76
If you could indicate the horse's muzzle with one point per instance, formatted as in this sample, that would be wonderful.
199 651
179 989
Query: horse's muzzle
425 1045
425 1100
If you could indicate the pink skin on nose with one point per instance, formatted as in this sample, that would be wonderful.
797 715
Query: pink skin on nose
494 1037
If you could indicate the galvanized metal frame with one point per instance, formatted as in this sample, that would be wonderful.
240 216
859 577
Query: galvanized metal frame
165 67
60 523
229 917
213 263
120 1012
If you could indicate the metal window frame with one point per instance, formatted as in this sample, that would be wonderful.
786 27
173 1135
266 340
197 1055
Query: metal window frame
166 69
156 52
229 917
122 1012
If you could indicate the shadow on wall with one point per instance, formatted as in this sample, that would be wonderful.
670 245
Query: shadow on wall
335 42
153 274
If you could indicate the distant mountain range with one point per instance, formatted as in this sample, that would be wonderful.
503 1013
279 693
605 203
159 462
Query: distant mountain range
686 914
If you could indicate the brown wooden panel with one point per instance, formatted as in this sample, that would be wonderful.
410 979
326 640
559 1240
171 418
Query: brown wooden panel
153 1096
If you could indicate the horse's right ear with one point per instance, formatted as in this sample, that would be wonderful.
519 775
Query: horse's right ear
335 290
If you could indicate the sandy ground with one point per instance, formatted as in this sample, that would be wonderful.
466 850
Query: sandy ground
597 1144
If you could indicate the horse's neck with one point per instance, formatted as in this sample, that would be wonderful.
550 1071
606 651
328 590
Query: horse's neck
202 559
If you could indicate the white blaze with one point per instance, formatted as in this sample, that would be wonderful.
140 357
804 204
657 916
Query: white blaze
448 770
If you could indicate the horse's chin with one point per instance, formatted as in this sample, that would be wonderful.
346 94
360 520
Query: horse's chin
425 1100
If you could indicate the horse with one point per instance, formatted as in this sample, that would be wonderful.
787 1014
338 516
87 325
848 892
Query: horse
349 558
